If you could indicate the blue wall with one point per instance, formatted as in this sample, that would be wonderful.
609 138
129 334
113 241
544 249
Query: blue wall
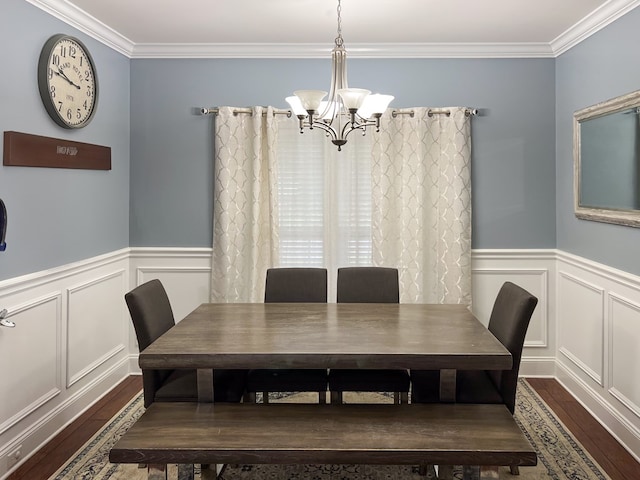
159 192
58 216
513 159
603 66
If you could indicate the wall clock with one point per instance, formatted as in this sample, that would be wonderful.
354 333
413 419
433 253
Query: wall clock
67 81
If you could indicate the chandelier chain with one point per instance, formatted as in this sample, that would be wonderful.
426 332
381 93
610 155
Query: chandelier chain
339 40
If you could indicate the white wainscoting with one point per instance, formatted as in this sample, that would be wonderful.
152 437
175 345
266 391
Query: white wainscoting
69 347
598 354
584 331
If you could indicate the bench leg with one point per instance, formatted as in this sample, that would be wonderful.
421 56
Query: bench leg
514 470
185 472
336 398
156 472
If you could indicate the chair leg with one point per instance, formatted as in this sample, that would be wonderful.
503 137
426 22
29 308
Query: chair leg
404 397
336 398
265 397
514 470
322 397
396 398
249 397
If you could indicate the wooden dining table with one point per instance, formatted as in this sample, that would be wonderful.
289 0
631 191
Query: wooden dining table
443 337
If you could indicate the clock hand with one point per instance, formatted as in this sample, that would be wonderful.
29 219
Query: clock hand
63 75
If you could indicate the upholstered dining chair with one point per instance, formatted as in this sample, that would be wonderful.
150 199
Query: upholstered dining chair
152 316
285 285
509 321
368 285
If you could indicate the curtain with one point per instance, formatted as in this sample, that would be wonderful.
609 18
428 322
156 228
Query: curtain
421 203
245 212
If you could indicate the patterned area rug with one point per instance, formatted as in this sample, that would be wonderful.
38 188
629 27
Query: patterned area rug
560 456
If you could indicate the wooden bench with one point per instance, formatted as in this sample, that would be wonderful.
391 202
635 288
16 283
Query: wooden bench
438 434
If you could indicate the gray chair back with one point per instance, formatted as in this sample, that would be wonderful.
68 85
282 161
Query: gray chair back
152 316
150 311
296 285
368 285
509 321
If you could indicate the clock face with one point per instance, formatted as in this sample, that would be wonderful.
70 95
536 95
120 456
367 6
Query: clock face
67 81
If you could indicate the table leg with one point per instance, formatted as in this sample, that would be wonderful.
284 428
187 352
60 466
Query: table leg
209 471
205 385
448 385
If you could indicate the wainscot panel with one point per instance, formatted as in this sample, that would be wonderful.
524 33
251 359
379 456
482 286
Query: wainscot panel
598 359
69 346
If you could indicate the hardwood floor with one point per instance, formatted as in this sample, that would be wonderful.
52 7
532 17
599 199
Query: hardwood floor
610 455
614 459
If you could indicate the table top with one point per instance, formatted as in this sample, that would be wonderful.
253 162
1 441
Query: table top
328 335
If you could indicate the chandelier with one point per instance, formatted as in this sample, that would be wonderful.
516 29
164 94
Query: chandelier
346 109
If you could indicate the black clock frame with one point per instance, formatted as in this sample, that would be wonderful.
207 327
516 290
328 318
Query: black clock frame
43 67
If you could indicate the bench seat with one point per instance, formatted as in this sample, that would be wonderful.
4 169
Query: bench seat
441 434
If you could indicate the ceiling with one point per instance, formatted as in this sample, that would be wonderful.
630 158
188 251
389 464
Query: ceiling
307 28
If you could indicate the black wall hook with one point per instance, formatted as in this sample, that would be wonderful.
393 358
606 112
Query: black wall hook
3 226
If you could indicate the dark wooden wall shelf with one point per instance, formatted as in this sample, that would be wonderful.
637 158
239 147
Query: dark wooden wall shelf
26 150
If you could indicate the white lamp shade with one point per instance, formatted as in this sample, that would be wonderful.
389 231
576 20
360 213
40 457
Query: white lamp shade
296 106
328 110
352 98
375 103
310 99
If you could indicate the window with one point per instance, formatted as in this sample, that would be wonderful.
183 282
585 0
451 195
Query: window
324 199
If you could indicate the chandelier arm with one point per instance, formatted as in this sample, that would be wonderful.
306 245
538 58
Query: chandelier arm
325 127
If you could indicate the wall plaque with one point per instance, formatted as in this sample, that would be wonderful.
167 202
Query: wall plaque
25 150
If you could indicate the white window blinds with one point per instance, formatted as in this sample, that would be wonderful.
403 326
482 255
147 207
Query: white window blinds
324 199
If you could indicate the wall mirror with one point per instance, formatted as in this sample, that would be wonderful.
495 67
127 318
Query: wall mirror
606 151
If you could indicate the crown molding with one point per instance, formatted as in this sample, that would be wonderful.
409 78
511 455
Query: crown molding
592 23
77 18
300 50
73 16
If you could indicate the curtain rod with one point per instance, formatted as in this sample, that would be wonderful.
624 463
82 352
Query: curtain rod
215 110
469 112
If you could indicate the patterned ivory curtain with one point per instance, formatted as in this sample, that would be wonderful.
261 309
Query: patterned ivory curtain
421 216
245 213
